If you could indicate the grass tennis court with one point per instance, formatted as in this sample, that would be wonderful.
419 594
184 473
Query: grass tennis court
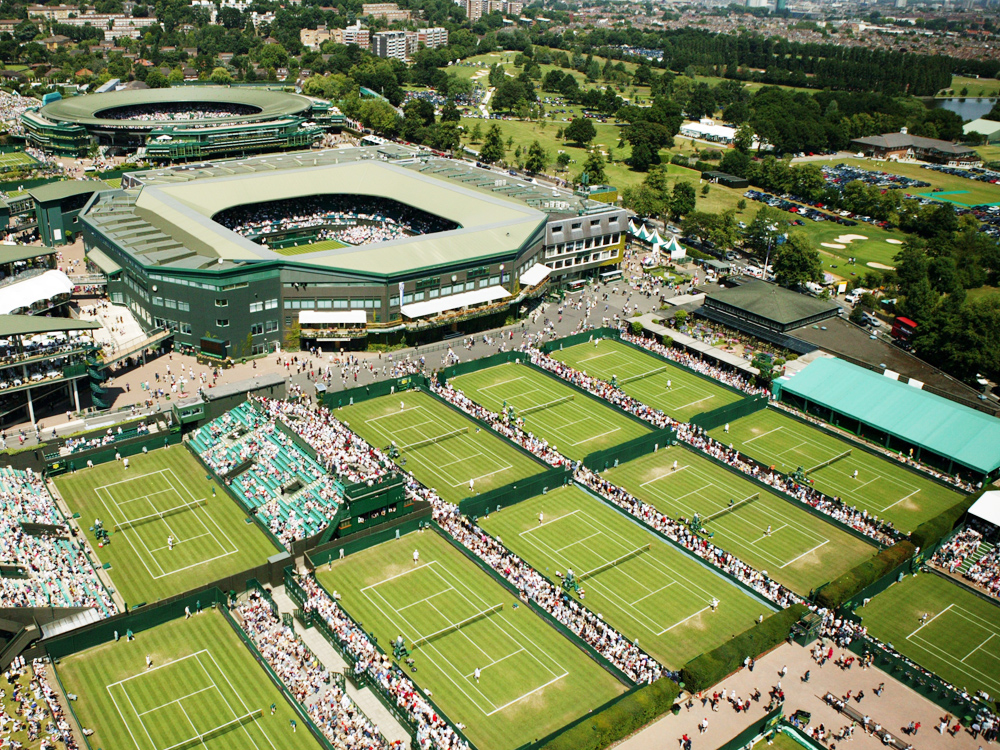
533 680
673 390
802 551
163 493
960 639
442 448
203 680
313 247
653 593
882 487
14 160
575 424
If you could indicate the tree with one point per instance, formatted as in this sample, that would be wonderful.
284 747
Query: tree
705 188
492 150
221 77
156 80
796 262
537 159
563 161
743 140
682 201
477 134
581 131
643 200
450 113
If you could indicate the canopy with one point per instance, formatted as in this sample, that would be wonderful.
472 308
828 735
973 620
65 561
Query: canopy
987 507
535 275
102 261
37 288
454 301
338 318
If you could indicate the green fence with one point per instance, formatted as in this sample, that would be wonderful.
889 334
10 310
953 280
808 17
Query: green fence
709 420
763 726
375 390
473 365
640 446
103 455
515 492
872 590
581 338
357 542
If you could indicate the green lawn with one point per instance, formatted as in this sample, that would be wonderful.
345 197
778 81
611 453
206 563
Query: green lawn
657 596
884 488
975 87
203 677
958 189
781 742
16 159
533 679
465 453
958 641
313 247
646 378
989 153
802 552
572 423
212 539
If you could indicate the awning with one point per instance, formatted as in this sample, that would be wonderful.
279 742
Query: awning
454 302
102 261
26 293
611 274
333 319
987 507
535 275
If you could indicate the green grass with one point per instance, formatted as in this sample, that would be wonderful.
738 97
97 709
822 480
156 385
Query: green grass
213 540
313 247
688 394
16 159
22 684
575 427
533 679
448 465
882 487
781 742
959 640
803 551
660 597
113 183
973 191
989 153
203 677
976 87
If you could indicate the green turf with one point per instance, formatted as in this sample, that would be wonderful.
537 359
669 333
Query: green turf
202 677
975 191
575 427
882 487
212 540
660 597
447 466
959 640
16 159
533 679
802 552
313 247
688 394
780 742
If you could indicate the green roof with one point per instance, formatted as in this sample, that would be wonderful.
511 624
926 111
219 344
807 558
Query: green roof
12 253
57 191
772 302
969 437
22 325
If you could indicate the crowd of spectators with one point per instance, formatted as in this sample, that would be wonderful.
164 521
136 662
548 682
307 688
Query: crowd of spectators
75 445
326 702
968 543
12 106
57 572
177 112
29 705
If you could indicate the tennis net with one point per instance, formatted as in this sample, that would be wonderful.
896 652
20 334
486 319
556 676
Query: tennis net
731 508
547 404
436 439
456 626
828 461
612 563
642 375
201 739
159 515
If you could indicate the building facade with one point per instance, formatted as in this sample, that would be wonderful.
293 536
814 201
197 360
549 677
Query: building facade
390 44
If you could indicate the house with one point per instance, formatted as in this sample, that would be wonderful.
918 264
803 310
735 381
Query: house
84 73
53 43
902 145
989 129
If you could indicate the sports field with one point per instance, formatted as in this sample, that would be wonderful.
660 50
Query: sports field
652 592
444 449
673 390
960 639
533 680
15 160
802 551
884 488
571 422
162 494
203 681
313 247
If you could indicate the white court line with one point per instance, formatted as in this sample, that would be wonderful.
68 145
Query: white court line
597 356
394 413
404 573
238 697
930 620
692 403
183 697
651 593
425 599
546 523
666 474
504 382
125 723
179 542
764 434
899 501
667 630
579 541
128 537
518 700
988 638
804 554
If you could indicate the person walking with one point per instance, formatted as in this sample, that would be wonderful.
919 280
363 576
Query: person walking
703 727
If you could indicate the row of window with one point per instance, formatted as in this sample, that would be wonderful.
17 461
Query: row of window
268 304
173 325
135 287
172 304
577 225
580 260
332 304
269 326
587 244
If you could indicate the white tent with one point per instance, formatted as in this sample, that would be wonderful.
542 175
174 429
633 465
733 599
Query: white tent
987 507
36 289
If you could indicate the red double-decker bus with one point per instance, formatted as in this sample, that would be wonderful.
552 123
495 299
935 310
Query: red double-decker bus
903 331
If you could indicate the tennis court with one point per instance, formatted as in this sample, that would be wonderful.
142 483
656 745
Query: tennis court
163 495
205 691
16 160
573 423
839 468
675 391
801 551
959 640
650 591
444 449
456 619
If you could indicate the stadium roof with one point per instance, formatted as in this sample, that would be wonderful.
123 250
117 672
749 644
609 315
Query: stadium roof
25 325
57 191
772 302
13 253
968 437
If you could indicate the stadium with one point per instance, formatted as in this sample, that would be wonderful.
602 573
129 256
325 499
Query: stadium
175 124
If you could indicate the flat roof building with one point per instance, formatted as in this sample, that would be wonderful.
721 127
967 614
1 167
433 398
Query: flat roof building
768 306
902 145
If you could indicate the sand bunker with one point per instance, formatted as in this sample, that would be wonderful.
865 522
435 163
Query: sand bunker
833 245
847 238
880 266
895 242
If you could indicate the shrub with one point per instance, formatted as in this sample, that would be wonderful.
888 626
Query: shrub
933 530
706 670
839 590
636 327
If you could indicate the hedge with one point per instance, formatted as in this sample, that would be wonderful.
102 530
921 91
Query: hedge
933 530
706 670
617 720
839 590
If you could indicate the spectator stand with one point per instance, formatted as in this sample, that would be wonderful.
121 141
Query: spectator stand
970 557
101 446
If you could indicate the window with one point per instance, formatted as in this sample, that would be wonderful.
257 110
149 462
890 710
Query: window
483 283
433 293
272 326
324 304
418 296
116 297
340 304
222 323
184 306
171 303
288 321
256 329
271 304
613 220
186 328
158 301
595 222
576 225
308 304
394 301
407 299
470 285
557 228
258 349
254 306
494 280
222 303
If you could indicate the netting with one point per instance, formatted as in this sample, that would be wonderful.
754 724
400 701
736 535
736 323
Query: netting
456 626
201 739
829 461
546 405
731 508
612 563
642 375
431 441
159 515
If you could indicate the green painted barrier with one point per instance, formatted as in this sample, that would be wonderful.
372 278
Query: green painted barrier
765 725
710 420
515 492
635 448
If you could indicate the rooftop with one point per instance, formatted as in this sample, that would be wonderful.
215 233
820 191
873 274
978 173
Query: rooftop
25 325
772 302
905 140
57 191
